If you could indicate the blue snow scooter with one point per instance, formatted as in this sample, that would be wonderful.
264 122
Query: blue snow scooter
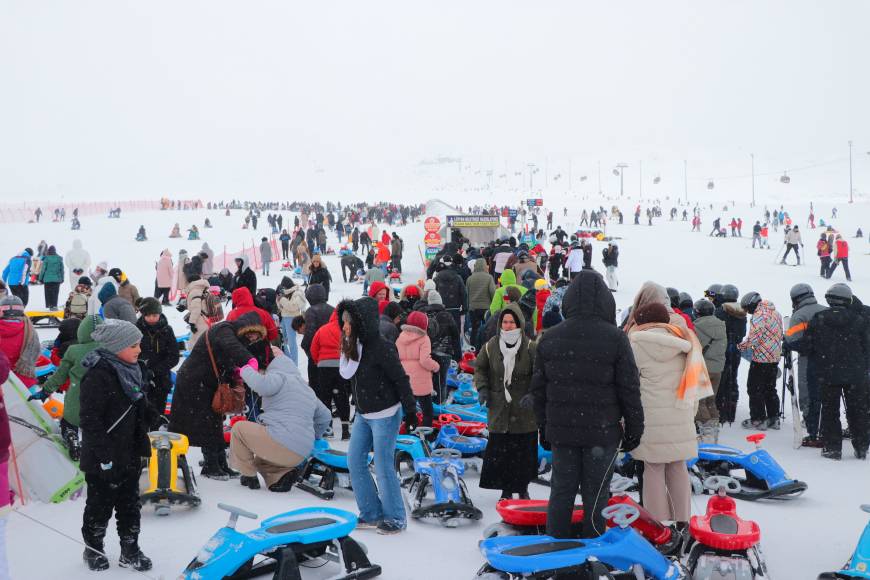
764 479
324 469
470 412
620 554
283 545
858 565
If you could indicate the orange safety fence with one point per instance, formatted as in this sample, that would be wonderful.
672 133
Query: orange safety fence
24 212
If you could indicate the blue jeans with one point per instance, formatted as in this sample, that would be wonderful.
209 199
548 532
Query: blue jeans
290 347
384 502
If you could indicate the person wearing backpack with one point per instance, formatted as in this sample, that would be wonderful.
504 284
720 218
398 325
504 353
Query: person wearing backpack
77 303
198 306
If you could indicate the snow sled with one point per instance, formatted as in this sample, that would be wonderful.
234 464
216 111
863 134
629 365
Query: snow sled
620 554
526 517
764 479
465 394
722 545
468 447
457 380
168 463
324 469
410 448
44 470
442 472
858 565
286 267
466 363
290 542
471 428
666 539
45 318
44 367
473 412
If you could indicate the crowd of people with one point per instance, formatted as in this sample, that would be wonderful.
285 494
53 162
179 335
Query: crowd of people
554 366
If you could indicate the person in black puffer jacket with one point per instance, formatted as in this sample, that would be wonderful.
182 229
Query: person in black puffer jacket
382 395
114 428
836 342
584 385
316 315
318 274
159 354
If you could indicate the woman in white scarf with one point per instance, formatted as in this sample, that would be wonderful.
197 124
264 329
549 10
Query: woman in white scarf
503 375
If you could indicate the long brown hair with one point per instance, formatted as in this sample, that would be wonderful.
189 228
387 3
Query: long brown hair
348 343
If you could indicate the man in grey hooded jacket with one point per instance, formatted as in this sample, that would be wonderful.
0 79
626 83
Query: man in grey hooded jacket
804 307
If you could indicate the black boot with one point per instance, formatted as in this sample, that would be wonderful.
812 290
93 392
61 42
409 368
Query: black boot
94 558
70 435
222 460
250 481
345 430
286 482
211 467
132 556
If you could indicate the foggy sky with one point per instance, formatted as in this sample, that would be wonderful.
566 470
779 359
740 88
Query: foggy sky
123 98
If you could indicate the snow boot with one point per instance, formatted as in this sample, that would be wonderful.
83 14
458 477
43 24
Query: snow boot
832 454
754 425
70 435
345 430
250 481
94 557
774 423
286 482
861 454
211 467
814 442
132 556
225 467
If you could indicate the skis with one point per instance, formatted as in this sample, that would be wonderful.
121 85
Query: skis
788 385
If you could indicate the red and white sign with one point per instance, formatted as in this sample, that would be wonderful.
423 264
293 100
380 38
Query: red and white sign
432 239
432 224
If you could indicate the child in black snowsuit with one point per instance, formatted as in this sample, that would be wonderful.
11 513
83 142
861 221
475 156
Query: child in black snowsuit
159 354
114 430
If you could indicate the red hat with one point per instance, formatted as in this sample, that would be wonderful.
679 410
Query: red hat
381 305
418 319
411 290
376 287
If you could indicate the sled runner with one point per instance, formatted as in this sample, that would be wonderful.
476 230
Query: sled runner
324 469
288 543
45 318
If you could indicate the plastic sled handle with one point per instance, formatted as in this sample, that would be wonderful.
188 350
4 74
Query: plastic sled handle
235 512
449 418
620 484
722 482
422 431
447 453
866 507
622 514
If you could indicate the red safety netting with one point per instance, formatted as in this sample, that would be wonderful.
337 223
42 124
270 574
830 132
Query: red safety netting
24 212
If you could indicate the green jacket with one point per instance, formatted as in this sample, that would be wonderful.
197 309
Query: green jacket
508 278
70 367
504 417
52 269
480 287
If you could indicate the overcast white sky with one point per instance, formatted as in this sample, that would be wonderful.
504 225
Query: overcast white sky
124 98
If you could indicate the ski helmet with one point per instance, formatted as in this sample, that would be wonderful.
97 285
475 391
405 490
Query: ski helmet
704 308
837 295
728 293
674 297
685 301
750 302
712 291
799 291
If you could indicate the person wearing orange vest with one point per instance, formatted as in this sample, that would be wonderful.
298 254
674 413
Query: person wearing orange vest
842 258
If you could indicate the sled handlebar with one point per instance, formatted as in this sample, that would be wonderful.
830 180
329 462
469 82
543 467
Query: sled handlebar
235 512
447 453
866 507
620 484
722 484
423 431
622 514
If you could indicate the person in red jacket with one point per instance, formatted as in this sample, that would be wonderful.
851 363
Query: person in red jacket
243 303
325 352
842 258
542 292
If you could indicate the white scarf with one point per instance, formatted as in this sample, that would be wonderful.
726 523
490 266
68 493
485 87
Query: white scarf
347 367
509 353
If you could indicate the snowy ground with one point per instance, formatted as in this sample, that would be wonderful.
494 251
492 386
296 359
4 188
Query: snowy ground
800 538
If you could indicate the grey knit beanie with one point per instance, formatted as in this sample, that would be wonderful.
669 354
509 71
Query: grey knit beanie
115 335
434 298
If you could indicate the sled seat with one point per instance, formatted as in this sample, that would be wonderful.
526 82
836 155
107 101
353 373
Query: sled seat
544 548
721 528
530 512
307 525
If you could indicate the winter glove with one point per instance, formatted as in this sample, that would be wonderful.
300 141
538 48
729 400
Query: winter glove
482 397
527 402
630 442
411 421
40 396
252 364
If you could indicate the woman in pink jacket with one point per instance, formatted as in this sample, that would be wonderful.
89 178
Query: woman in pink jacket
415 352
165 274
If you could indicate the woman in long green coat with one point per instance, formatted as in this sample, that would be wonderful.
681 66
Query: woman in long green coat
51 276
502 375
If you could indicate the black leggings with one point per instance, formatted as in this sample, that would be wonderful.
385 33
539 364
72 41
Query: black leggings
331 387
425 403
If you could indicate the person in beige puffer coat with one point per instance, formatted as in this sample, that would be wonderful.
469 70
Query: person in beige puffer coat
669 432
196 317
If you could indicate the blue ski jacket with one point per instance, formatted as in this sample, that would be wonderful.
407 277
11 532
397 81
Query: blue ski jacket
17 271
